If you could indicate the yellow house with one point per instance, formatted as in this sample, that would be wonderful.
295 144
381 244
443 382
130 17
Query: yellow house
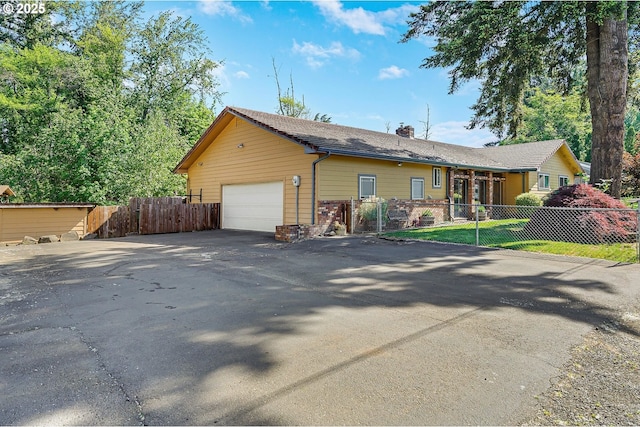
268 170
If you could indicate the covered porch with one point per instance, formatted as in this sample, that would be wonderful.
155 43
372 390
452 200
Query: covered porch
470 187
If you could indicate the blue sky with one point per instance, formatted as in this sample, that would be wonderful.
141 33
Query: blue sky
345 59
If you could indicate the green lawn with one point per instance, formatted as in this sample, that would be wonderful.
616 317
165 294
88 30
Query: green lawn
509 234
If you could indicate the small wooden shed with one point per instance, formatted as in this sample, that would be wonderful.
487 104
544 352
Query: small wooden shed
41 219
5 193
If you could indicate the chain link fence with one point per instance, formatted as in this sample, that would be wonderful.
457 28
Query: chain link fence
592 232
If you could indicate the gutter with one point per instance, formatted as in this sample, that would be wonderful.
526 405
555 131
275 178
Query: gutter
313 186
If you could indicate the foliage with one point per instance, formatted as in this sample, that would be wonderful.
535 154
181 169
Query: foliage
506 45
632 130
427 212
482 209
547 114
98 105
289 106
528 199
611 224
368 209
582 196
631 175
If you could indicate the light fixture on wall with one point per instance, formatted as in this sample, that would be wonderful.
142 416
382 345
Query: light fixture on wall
241 145
399 163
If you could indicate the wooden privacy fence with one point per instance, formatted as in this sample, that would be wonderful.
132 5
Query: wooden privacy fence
153 216
109 221
136 202
159 219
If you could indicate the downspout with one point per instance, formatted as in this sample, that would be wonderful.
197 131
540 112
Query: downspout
313 186
449 196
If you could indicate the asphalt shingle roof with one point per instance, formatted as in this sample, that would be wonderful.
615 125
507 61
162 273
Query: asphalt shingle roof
529 155
345 140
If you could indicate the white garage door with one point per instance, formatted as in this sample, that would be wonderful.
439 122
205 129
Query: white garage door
252 206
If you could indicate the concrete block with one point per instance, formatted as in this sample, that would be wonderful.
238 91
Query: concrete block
69 237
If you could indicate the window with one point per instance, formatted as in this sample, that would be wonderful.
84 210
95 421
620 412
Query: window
437 178
417 188
366 186
563 181
543 181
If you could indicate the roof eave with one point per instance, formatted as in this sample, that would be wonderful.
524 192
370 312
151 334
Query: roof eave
324 150
308 146
201 145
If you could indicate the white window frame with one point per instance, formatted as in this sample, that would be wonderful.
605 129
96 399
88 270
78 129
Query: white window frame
436 177
544 182
563 177
416 181
360 179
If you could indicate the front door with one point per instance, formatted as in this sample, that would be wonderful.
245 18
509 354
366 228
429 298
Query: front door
460 192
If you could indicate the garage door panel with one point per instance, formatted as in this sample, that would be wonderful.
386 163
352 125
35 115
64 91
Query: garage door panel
256 207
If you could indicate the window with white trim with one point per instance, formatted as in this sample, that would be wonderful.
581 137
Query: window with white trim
563 180
417 188
543 181
366 186
437 178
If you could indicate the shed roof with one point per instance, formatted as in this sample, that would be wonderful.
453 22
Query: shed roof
323 137
5 190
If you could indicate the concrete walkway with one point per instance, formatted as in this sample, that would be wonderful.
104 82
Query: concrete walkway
230 327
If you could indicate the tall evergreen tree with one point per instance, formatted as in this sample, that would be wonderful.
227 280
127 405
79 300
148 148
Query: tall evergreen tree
506 44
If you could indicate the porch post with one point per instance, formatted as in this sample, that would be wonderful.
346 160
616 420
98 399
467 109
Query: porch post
451 183
472 187
490 201
452 201
471 194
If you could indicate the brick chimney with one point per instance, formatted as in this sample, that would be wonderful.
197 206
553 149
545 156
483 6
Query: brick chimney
405 131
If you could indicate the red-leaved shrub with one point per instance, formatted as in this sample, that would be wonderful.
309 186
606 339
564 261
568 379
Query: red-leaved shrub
591 217
582 196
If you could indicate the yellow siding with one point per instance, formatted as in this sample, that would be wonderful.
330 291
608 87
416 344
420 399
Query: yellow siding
515 184
264 157
15 223
556 166
338 178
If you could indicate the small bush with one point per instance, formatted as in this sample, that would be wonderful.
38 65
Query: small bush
582 196
368 210
528 199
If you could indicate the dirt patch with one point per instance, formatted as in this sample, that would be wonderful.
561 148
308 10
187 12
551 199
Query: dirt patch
600 385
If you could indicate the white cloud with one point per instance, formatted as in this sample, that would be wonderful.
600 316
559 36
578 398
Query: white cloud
223 8
360 20
241 75
317 55
392 72
220 73
455 132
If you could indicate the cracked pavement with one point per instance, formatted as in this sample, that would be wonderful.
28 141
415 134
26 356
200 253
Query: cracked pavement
227 327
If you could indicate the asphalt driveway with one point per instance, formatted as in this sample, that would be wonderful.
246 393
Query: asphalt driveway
227 327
